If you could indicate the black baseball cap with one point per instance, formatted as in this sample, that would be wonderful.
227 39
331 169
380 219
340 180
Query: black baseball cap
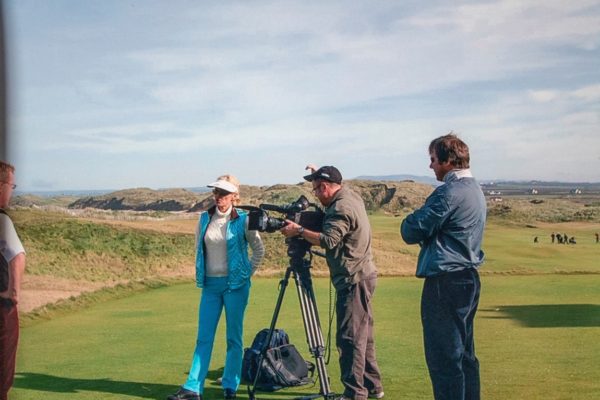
327 173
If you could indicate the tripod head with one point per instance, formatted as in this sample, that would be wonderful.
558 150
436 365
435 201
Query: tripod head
297 250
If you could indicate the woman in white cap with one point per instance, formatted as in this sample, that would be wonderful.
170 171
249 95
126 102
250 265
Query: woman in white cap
223 271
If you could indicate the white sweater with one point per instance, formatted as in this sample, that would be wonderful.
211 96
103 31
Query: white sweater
216 245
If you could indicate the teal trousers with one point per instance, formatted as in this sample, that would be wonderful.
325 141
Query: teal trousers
215 297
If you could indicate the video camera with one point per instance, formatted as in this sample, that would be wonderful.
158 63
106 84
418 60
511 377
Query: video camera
259 219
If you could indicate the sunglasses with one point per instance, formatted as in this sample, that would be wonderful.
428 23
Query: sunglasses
220 192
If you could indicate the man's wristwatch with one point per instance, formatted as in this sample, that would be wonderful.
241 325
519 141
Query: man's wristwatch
300 231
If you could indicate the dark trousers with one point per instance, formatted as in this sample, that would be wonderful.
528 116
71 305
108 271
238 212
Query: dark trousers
355 342
448 307
9 337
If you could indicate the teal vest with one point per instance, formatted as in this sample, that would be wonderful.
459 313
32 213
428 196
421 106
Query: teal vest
238 263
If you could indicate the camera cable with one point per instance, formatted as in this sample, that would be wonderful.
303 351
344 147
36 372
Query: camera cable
331 316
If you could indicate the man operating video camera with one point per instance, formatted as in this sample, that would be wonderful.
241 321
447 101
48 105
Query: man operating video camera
346 238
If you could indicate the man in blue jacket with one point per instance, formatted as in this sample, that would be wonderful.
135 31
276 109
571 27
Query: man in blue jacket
449 229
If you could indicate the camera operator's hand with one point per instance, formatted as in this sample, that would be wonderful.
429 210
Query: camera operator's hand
290 229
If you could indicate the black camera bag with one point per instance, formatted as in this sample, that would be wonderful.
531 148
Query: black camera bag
285 367
282 365
252 353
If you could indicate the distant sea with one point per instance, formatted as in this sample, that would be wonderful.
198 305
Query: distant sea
57 193
402 177
83 193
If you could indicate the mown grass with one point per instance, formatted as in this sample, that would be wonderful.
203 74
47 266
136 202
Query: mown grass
536 338
88 299
509 247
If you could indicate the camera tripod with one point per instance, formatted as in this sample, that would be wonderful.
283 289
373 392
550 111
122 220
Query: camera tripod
299 268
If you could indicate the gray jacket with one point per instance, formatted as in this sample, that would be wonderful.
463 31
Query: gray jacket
449 227
346 238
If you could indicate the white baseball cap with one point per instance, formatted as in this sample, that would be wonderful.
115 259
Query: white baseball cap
225 185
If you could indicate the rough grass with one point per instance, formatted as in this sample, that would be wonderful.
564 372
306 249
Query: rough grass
66 247
113 250
546 209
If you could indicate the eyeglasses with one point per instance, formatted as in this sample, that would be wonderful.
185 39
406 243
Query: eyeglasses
316 188
12 185
220 192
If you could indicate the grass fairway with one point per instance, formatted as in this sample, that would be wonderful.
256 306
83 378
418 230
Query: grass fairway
537 338
508 247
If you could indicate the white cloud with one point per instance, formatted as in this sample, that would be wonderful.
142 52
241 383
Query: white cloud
588 93
544 96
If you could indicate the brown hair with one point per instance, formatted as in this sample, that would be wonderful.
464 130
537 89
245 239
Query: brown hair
232 179
5 169
450 148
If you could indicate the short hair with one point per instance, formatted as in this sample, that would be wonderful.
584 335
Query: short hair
5 169
232 179
450 148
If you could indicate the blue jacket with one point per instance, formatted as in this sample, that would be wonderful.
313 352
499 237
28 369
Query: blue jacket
238 263
449 227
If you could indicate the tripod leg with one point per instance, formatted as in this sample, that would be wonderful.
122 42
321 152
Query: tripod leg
283 286
312 327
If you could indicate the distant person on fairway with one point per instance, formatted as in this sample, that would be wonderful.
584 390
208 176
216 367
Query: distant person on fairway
553 236
12 267
597 237
346 238
449 228
223 271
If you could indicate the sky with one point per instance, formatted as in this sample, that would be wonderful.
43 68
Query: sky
114 94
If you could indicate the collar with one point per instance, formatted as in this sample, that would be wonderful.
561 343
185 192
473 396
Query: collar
336 196
456 174
234 214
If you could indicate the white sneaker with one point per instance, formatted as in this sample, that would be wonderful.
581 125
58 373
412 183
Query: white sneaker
378 395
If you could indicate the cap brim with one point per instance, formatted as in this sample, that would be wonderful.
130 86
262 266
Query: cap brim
224 185
310 177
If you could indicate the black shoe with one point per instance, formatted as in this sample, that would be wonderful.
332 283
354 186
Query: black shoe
184 394
375 394
229 394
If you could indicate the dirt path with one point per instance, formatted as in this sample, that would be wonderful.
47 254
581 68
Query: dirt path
37 291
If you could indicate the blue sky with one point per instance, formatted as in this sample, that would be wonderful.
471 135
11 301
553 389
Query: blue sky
111 94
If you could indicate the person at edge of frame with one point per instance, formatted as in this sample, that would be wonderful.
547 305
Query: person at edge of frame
12 267
346 238
223 271
449 228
